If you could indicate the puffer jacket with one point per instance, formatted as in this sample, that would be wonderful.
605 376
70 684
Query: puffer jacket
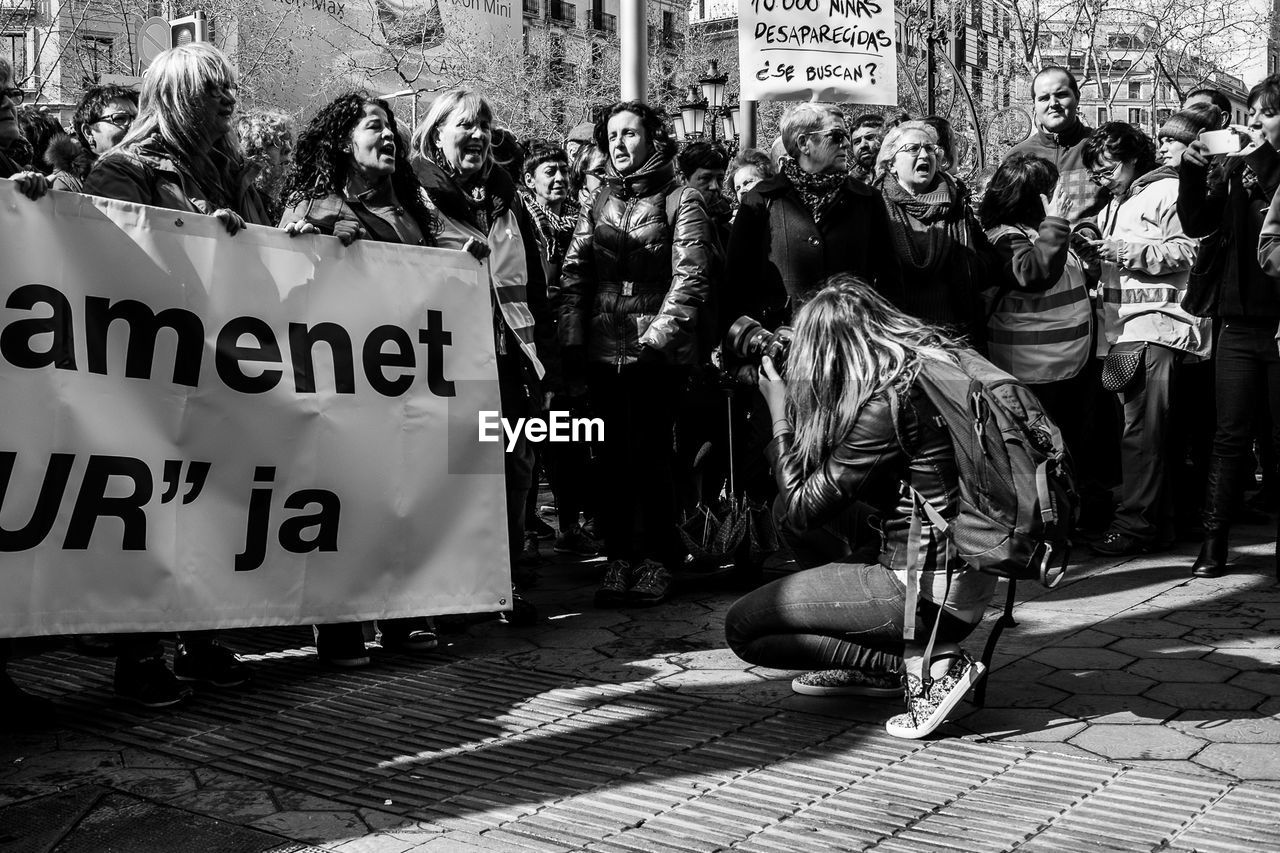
145 173
869 466
630 279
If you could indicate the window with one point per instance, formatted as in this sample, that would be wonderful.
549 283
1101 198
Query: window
976 81
1135 89
13 47
1122 42
1135 116
1106 90
1162 115
98 55
1102 115
975 12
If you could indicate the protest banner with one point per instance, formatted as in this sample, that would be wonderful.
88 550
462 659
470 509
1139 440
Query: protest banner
818 50
204 431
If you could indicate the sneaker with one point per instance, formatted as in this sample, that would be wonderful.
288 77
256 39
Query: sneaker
531 555
651 584
522 613
539 528
592 529
211 664
1117 544
613 587
417 640
927 711
148 682
575 541
848 682
342 645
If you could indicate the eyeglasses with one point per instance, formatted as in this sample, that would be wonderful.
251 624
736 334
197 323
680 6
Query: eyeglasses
838 135
914 148
1101 176
15 95
121 120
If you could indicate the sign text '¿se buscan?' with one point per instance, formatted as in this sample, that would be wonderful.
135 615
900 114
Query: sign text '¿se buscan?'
47 339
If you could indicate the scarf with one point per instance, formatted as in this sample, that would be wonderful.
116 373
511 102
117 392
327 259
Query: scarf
818 192
556 229
927 226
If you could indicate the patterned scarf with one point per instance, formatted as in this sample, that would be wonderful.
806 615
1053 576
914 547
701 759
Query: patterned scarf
927 226
818 192
556 229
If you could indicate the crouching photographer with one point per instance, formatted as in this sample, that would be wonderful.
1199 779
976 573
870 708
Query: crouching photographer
850 426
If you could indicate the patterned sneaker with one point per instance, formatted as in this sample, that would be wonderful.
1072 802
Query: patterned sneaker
651 585
927 711
613 587
849 682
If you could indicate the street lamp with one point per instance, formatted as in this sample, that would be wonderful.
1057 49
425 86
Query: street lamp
694 115
677 123
405 93
713 87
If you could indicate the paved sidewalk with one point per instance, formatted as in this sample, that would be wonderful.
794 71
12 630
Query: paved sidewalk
1132 709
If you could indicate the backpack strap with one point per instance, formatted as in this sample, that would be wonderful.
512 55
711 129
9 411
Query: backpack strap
988 651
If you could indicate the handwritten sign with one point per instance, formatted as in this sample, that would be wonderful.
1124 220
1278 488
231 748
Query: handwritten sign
818 50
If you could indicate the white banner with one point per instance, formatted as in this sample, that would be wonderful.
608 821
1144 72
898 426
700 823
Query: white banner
205 431
818 50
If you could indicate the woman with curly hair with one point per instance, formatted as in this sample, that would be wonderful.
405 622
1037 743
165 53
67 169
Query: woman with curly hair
267 141
351 179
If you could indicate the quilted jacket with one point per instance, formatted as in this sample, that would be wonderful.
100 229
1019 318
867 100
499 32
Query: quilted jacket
631 279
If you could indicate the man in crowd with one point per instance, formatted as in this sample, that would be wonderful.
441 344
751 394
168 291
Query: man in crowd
1060 136
1213 98
580 137
864 144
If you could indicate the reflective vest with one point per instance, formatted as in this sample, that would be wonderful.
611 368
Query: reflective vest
1042 337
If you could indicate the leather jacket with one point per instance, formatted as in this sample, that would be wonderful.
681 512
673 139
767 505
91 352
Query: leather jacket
633 281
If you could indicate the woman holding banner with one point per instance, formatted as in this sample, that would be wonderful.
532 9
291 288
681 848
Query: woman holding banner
351 179
476 205
181 154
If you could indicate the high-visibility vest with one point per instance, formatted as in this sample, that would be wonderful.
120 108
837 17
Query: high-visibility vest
1042 337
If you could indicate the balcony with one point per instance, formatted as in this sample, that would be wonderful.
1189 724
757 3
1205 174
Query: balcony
27 6
533 8
562 13
606 23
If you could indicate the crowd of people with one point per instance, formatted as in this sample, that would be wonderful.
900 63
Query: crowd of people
1118 276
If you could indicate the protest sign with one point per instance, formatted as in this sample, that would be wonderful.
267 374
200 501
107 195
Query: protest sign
206 431
819 50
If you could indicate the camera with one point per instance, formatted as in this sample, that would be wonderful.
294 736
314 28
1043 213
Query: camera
748 339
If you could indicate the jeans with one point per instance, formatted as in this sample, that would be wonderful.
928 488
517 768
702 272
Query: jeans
837 615
1146 508
1247 377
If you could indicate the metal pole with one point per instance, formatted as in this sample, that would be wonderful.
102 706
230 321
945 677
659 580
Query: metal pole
931 64
747 133
633 37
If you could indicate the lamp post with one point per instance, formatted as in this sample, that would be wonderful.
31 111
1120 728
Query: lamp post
706 111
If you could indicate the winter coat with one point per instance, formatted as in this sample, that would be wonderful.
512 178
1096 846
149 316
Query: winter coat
1041 326
778 257
1142 292
517 285
633 284
1066 151
1227 212
325 213
145 173
870 466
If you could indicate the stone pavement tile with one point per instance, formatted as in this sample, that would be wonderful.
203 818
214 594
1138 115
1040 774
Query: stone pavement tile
1234 638
231 805
1181 669
1238 728
1067 657
1088 638
1136 741
1266 682
1116 710
378 842
1143 627
60 768
1242 820
1010 725
159 784
314 827
1018 685
1160 647
1216 697
1241 760
1109 682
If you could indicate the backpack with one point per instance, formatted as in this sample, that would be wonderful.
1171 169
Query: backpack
1018 503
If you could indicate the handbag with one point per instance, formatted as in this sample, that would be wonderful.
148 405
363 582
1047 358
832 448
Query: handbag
1122 366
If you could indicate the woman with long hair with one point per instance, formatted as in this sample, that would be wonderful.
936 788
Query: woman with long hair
635 281
351 179
1146 259
182 152
477 209
850 427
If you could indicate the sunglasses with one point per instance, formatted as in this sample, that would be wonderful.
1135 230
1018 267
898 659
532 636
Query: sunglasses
121 120
15 95
838 135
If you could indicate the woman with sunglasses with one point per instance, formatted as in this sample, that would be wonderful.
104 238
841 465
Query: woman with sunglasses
103 117
1146 260
944 253
181 152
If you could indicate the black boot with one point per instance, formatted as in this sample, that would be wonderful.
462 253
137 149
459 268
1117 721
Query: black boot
1219 499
